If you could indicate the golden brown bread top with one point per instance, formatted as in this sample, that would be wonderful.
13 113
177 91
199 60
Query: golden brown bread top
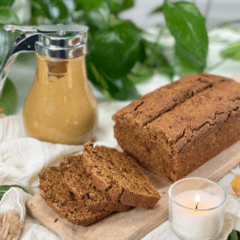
185 109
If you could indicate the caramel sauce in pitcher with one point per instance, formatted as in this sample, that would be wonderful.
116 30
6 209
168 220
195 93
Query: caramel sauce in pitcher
60 107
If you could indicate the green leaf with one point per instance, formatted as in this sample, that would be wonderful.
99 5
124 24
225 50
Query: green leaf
121 89
36 12
7 16
100 81
100 16
88 5
5 188
126 5
141 74
70 4
45 6
233 235
143 54
187 26
8 99
6 41
127 90
188 62
78 16
56 10
157 10
116 50
77 5
115 5
114 20
157 61
96 77
6 3
232 51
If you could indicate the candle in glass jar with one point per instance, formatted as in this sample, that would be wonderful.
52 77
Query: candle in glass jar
196 223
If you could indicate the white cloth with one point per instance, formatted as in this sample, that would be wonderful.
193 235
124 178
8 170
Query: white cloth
21 157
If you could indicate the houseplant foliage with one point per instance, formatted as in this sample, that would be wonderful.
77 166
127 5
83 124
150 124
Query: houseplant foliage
118 55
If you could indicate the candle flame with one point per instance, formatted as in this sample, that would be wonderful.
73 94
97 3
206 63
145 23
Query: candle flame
197 198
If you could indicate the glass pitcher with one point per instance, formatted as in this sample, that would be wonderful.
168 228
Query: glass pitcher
60 106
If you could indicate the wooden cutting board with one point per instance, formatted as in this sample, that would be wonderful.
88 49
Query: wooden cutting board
137 222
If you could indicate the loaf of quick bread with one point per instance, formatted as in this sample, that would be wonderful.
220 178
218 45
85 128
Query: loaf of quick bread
178 127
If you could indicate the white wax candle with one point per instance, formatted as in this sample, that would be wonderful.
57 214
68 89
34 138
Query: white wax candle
196 224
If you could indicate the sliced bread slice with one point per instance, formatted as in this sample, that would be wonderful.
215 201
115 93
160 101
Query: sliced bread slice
119 176
80 184
54 192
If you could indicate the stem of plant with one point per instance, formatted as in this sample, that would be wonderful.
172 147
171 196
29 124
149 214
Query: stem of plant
226 23
160 33
207 10
209 69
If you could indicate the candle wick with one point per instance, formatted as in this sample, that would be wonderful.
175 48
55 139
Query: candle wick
196 205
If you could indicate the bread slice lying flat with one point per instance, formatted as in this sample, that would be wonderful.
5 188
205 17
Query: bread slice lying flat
55 194
80 184
119 176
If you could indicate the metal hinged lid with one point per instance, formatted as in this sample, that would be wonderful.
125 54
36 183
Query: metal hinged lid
53 41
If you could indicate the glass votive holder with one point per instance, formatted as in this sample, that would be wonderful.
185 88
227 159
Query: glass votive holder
196 208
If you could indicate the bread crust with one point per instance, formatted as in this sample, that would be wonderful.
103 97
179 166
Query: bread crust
177 128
